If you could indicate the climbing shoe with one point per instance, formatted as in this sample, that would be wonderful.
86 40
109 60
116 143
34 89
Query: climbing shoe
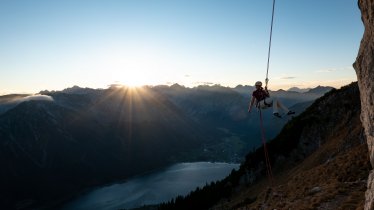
277 115
290 112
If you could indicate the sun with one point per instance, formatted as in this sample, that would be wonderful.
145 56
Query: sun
134 79
133 83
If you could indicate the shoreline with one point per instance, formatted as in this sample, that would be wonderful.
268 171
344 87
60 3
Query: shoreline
70 200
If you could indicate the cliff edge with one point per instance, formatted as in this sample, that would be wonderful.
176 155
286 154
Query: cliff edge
364 67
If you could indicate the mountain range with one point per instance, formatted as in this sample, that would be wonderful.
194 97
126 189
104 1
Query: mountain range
59 143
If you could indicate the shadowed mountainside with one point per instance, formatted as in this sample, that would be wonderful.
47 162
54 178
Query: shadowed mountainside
49 150
319 161
62 142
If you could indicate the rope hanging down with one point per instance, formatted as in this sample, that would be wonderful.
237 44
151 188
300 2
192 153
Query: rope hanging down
267 159
271 33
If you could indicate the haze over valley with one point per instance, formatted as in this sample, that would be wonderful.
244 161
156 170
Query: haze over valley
80 137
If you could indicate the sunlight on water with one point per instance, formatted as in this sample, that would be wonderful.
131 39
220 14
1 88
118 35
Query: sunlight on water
154 188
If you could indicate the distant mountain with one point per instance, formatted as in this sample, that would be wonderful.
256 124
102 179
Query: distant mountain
289 98
319 90
299 90
9 101
319 160
50 149
59 143
226 108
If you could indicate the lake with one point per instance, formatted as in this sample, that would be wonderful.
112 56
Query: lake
153 188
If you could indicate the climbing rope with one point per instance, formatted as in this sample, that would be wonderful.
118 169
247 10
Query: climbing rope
267 160
271 34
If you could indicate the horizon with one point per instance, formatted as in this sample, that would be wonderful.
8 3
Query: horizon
168 85
53 45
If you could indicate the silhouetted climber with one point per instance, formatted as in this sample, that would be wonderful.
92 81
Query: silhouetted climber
263 100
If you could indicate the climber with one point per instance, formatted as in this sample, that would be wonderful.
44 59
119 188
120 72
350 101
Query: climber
263 101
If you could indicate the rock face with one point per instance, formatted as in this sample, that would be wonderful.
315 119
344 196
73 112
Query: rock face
364 67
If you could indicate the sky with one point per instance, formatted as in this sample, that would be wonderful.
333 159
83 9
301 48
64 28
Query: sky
52 45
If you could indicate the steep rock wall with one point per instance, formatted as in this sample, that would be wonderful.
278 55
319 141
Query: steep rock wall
364 67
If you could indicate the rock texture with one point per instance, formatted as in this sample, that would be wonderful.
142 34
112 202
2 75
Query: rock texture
364 67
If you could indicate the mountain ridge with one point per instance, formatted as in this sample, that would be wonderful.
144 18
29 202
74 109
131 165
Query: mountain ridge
312 142
66 141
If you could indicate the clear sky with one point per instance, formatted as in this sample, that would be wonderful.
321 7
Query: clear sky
51 44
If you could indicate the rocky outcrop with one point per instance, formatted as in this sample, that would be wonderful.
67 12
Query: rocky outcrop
364 67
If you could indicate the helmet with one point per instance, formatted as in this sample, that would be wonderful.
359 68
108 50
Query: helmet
258 83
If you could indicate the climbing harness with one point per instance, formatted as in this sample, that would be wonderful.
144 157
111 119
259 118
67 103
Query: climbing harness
267 159
268 104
